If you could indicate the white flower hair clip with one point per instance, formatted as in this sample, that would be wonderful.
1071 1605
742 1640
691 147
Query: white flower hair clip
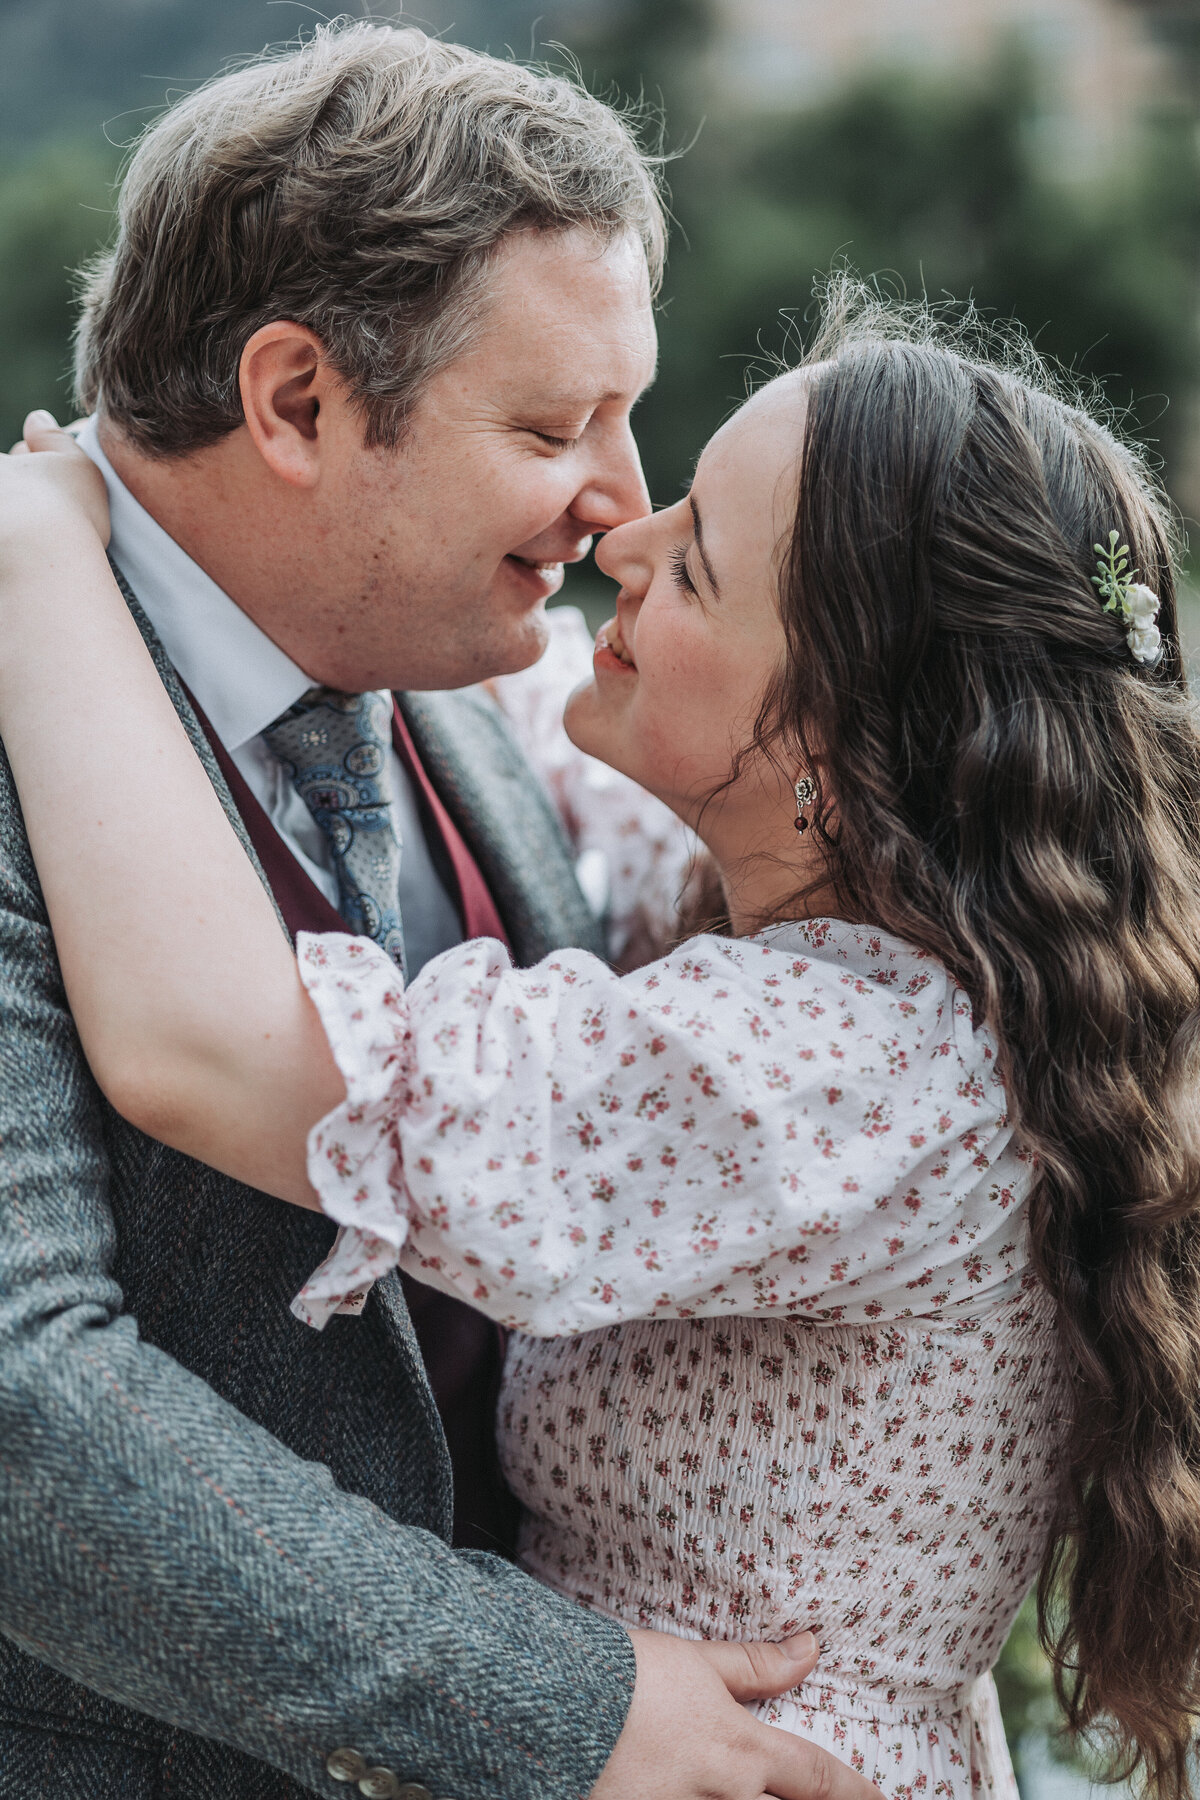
1134 603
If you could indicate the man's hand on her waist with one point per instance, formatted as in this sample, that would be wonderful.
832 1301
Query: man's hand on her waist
689 1737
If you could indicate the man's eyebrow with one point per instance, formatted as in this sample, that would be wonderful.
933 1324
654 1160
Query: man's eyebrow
713 583
586 398
589 399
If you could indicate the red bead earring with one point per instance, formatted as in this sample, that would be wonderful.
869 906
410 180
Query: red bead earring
806 793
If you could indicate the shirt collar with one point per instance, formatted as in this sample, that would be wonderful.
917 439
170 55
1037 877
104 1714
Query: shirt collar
240 678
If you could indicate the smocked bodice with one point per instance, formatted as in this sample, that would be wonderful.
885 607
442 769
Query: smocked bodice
888 1486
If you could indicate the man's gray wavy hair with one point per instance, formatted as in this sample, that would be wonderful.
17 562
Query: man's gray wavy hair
358 185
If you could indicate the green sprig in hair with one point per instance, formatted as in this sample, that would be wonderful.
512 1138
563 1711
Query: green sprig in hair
1134 603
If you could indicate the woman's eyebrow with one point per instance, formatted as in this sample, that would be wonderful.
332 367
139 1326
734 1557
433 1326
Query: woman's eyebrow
713 583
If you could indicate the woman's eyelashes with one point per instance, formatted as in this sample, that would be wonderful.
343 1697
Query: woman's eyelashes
677 563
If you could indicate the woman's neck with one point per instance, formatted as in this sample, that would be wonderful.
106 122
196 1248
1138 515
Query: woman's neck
768 885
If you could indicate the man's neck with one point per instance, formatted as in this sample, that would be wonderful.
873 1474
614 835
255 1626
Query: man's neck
208 501
239 673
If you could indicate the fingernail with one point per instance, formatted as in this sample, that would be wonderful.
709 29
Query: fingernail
802 1646
42 417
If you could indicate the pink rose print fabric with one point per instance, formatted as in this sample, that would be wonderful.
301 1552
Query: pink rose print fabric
889 1486
758 1216
803 1122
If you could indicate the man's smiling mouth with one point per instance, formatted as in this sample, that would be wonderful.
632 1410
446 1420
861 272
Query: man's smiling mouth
543 568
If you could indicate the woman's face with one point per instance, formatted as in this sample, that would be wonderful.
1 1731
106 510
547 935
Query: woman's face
680 674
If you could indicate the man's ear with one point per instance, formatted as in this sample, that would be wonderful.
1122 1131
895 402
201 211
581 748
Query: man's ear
284 381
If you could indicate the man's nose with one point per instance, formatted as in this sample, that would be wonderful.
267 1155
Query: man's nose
615 488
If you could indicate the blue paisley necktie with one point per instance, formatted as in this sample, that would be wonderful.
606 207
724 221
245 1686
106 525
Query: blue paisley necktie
335 747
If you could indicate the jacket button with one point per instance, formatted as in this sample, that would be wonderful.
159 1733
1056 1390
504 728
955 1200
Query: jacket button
379 1784
345 1765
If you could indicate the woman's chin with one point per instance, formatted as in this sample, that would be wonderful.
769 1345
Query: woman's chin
591 726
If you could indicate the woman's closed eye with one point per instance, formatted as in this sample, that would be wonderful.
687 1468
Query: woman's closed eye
677 563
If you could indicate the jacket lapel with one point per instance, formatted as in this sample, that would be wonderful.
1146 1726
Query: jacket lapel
191 725
499 806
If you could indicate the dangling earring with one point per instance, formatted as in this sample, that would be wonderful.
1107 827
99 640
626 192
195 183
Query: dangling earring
806 793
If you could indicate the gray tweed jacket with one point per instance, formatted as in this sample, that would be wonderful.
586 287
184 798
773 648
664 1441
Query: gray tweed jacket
223 1547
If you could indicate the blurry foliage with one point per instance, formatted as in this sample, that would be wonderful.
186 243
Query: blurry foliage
54 211
1027 1701
68 65
939 187
632 52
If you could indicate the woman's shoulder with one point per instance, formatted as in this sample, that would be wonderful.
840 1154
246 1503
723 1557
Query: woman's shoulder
859 953
871 1038
870 980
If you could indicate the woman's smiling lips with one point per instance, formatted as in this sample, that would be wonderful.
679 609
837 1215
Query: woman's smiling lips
611 651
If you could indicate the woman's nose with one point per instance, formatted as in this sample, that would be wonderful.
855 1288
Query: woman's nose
622 554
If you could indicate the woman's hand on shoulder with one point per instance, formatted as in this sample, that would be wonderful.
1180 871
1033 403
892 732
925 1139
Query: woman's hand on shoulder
48 487
54 527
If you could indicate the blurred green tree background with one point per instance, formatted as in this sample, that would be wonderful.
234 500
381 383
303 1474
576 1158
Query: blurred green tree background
944 183
941 182
55 210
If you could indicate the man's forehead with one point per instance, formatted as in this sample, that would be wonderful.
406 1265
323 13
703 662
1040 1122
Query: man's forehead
529 261
575 376
579 307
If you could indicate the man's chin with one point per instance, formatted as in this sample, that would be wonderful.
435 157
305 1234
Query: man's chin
522 645
501 650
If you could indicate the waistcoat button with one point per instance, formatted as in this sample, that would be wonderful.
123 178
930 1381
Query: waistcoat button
380 1784
345 1765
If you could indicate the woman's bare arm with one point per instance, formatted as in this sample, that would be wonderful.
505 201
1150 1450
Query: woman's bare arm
185 991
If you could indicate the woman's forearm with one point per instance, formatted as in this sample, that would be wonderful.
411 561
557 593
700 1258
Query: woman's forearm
183 987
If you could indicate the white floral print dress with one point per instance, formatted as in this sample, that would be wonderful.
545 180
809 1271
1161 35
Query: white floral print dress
757 1220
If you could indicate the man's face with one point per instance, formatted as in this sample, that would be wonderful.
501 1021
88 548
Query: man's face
430 565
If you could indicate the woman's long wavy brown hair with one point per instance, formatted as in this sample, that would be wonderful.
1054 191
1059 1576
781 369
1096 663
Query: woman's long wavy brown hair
1001 784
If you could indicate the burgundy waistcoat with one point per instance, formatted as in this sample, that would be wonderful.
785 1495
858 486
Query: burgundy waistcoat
462 1350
